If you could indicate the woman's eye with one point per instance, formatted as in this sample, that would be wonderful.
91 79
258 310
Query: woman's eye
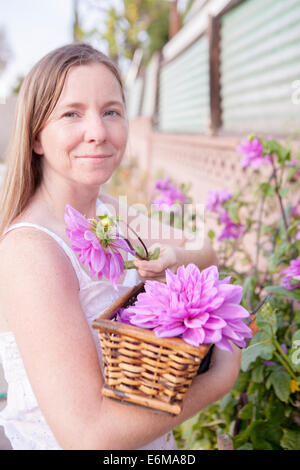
70 114
111 112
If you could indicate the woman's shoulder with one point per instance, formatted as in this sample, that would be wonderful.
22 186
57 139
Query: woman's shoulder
25 248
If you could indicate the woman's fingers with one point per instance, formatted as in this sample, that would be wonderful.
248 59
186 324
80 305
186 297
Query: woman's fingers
156 268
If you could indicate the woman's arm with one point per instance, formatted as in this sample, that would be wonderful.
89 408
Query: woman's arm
138 427
172 257
39 294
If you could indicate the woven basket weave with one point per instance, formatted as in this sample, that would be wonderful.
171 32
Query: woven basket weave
139 367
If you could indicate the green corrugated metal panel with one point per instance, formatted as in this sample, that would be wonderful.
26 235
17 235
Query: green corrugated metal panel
260 60
134 94
184 91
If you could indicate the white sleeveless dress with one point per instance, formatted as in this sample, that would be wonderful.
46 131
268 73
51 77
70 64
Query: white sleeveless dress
23 422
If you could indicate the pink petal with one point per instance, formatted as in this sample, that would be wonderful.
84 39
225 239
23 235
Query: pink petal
98 260
197 322
194 336
231 293
212 336
224 345
214 322
230 311
169 331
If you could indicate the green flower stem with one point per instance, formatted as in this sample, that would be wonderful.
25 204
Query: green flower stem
279 348
285 365
129 265
277 191
258 232
283 355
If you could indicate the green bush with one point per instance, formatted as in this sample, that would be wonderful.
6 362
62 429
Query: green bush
262 411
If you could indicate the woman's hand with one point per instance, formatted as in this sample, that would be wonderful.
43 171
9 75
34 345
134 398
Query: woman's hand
155 269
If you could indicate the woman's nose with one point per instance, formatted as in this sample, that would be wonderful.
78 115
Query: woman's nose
95 130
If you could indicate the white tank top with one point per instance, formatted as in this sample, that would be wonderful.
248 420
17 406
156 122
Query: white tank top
22 419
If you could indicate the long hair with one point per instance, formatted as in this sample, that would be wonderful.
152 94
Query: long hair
37 98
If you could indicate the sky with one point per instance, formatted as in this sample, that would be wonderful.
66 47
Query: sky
35 27
32 28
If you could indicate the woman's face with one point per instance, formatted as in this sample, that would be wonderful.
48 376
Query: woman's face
86 134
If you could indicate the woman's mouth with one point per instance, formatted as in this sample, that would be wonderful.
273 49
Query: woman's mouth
96 156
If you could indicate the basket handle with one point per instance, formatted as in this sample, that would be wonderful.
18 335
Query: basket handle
108 313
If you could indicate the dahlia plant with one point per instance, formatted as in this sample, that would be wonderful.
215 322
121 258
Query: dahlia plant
262 411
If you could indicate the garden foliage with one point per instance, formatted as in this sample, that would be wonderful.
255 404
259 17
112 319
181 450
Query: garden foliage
262 411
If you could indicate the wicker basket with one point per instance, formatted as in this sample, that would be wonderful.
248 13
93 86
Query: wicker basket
139 367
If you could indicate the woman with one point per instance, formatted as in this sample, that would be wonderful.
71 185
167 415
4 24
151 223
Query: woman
69 137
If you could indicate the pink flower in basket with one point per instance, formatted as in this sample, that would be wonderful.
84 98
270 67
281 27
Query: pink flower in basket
98 243
194 305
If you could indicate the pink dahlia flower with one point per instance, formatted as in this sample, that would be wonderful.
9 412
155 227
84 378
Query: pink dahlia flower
215 199
252 151
295 212
102 256
230 229
194 305
291 275
169 196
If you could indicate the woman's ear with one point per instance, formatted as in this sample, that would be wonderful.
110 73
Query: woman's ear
37 146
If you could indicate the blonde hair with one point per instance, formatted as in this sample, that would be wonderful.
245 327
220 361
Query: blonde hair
37 98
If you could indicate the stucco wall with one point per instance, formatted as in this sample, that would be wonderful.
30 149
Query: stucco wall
6 121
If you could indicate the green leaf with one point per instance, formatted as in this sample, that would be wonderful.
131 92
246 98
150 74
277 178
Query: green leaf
290 439
272 146
293 227
268 383
275 411
267 189
241 439
273 263
291 173
233 211
294 352
246 412
281 291
242 382
284 191
266 319
267 229
249 290
260 346
280 381
129 265
155 254
296 336
227 404
297 316
246 446
211 234
258 374
99 231
140 250
265 436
